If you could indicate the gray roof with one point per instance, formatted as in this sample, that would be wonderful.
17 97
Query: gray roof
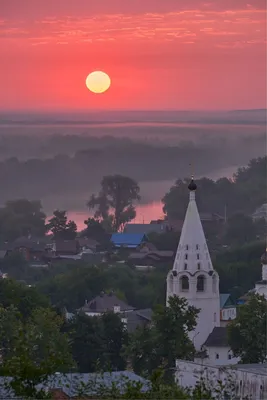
82 384
138 318
105 302
144 228
217 338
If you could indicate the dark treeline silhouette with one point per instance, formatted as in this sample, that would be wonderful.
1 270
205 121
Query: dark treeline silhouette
75 173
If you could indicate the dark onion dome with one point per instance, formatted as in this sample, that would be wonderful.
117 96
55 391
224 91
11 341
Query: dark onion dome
192 186
264 258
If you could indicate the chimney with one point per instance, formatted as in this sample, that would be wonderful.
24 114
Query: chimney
116 309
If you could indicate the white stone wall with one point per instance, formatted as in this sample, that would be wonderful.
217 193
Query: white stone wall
220 356
245 384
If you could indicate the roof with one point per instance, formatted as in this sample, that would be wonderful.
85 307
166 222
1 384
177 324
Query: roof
217 338
34 245
73 384
62 246
138 318
88 242
192 245
127 239
144 228
105 302
210 217
224 297
156 255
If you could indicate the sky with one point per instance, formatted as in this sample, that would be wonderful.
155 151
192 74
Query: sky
159 54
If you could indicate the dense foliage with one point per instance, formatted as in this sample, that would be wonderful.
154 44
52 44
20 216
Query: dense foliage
243 195
114 204
248 332
166 340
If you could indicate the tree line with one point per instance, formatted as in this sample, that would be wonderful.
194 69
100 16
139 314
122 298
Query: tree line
115 205
37 342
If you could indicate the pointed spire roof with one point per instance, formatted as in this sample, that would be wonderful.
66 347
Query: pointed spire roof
192 253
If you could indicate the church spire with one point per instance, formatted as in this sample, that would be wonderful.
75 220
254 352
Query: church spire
193 276
192 253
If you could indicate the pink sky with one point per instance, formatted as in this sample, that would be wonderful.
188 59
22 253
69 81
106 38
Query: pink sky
160 54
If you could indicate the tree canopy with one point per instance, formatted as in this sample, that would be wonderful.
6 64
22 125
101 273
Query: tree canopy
115 202
166 340
248 332
22 218
61 228
222 195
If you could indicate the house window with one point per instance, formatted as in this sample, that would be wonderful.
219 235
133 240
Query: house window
185 266
217 356
184 283
198 265
229 356
198 256
186 256
201 283
197 246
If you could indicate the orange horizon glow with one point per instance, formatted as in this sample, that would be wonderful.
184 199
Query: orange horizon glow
159 55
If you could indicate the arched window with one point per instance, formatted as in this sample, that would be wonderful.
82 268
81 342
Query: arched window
197 246
187 247
198 265
214 284
185 266
217 356
198 256
184 281
186 256
201 283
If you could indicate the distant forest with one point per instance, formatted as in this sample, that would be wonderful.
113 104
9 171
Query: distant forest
34 167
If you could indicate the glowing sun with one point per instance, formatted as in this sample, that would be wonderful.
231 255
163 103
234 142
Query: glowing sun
98 82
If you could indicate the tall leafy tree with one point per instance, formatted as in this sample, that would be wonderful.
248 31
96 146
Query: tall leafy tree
97 341
114 204
166 340
35 350
61 228
247 333
22 217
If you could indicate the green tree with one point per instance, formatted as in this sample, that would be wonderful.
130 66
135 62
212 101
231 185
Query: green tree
115 202
247 333
24 298
97 341
166 340
37 349
114 335
61 228
94 229
240 229
22 218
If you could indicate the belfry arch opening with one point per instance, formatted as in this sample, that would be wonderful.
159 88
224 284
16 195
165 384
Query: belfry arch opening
184 283
201 280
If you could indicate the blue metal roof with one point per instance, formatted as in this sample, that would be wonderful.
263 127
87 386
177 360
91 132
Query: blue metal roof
223 299
127 239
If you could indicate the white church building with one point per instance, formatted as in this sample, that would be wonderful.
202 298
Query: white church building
194 278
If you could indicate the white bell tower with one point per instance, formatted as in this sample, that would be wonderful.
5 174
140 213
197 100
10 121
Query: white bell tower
261 286
193 276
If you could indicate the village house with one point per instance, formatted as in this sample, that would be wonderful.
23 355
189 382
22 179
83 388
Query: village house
109 302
